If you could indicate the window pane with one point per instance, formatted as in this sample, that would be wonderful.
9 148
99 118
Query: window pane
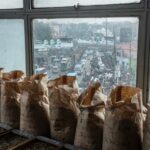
102 49
58 3
12 44
11 4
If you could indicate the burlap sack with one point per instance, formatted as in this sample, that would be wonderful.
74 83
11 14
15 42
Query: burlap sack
63 93
89 132
1 72
1 75
123 126
127 94
96 89
145 112
17 75
146 139
34 117
10 98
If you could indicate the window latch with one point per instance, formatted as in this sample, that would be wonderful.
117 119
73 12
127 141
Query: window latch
77 6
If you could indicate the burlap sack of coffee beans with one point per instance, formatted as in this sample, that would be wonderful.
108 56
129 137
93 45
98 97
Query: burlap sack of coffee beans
146 139
34 117
63 94
10 98
123 127
1 75
97 90
89 132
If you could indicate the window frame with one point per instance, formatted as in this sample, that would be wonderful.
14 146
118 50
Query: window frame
140 10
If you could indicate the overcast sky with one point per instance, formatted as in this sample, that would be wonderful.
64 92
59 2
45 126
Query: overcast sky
90 20
52 3
44 3
11 3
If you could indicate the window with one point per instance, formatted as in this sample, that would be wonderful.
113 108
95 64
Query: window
58 3
59 38
103 49
12 44
11 4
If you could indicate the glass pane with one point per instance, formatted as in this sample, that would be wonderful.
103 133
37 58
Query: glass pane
58 3
103 49
11 4
12 44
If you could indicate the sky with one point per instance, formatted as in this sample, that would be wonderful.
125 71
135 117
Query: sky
11 4
90 20
12 44
52 3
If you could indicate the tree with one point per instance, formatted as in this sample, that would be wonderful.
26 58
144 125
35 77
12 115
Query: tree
41 31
